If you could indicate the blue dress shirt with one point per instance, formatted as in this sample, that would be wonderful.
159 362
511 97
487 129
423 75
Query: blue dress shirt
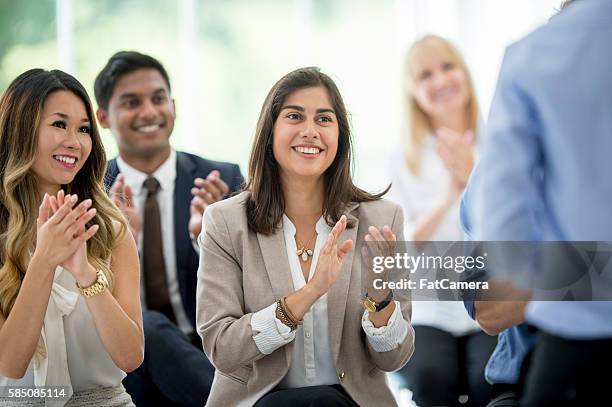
548 151
514 343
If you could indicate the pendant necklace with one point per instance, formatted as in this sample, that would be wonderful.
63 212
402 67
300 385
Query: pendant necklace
304 252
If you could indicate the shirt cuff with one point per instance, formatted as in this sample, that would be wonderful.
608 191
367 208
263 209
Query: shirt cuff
195 243
272 333
389 337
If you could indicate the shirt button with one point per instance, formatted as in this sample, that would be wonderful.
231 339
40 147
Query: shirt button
341 376
308 335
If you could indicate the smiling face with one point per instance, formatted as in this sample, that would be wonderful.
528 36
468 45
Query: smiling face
305 135
64 141
440 83
140 114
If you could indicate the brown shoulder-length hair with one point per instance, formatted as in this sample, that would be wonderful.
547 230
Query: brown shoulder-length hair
266 203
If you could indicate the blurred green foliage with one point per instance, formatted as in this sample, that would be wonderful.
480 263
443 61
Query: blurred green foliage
24 22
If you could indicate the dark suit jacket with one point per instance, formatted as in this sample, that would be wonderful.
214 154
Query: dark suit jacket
188 167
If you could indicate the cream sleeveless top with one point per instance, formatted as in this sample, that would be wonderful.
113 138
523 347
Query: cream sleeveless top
70 352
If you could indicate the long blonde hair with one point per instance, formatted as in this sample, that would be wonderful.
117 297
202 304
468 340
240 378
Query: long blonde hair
21 107
419 123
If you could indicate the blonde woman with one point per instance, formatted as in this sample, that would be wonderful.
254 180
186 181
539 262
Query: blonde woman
69 280
428 178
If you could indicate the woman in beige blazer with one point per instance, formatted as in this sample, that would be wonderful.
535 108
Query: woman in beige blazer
280 291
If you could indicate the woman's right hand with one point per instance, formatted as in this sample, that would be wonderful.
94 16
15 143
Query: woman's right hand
122 196
330 259
456 151
59 235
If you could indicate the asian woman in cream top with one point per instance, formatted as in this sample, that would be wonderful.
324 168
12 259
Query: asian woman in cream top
69 301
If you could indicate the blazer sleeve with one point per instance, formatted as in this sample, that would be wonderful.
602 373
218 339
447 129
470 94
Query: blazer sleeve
395 359
225 329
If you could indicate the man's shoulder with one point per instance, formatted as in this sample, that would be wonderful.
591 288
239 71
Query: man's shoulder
112 170
205 163
111 165
562 32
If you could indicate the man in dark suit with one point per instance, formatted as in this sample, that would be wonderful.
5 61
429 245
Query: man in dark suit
163 194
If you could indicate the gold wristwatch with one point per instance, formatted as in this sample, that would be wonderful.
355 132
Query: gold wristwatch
99 286
373 306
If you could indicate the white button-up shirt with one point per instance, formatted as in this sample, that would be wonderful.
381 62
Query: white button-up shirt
166 175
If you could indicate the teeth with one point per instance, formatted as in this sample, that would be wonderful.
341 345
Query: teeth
65 159
307 150
149 129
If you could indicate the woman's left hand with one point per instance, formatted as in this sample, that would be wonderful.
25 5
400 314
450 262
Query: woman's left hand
77 264
378 244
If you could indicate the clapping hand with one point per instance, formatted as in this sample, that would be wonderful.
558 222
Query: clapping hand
378 244
330 259
62 235
205 192
123 197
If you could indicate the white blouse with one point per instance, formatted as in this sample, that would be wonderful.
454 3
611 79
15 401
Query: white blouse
312 361
418 195
70 352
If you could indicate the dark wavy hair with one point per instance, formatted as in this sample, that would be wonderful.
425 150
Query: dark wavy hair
266 204
21 107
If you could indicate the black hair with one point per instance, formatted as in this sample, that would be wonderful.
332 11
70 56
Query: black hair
121 63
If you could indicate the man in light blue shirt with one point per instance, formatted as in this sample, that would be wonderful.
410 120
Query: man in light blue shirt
506 366
546 176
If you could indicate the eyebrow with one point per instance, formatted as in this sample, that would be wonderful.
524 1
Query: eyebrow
65 116
301 109
135 95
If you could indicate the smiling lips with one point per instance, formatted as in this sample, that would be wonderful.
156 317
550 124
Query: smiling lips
308 151
67 161
149 128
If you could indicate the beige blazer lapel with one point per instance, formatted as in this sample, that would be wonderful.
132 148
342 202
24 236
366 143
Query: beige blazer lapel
337 296
274 255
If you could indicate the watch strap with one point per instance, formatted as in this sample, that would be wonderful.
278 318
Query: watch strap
374 306
99 286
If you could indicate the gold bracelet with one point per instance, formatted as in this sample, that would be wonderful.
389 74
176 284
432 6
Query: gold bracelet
99 286
289 313
284 318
